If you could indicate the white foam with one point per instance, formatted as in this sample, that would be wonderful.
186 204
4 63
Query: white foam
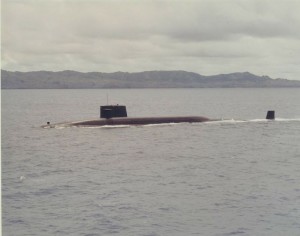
22 178
287 119
253 120
259 120
162 124
115 126
230 121
60 127
104 126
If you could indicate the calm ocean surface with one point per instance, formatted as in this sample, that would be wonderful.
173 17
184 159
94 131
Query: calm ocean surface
234 177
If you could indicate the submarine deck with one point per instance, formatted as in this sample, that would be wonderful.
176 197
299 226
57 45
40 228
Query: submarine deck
132 121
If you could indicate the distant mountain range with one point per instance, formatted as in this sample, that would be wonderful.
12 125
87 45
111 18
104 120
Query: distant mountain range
148 79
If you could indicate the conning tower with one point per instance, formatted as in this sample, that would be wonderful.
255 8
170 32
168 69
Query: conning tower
111 111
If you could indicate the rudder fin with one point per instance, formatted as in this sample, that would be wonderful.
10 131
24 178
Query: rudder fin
270 115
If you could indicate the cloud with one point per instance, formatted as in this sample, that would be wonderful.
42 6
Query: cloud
207 37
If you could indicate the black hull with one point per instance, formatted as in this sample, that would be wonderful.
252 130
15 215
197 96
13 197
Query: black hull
132 121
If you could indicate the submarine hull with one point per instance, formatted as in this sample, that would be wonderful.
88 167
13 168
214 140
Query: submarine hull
133 121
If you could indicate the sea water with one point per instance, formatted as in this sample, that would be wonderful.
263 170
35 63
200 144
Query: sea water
237 176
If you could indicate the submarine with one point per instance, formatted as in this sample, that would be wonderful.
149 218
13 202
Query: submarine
111 115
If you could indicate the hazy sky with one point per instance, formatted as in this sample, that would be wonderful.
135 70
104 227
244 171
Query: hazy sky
204 36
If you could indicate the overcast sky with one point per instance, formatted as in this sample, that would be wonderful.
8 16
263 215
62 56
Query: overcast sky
204 36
